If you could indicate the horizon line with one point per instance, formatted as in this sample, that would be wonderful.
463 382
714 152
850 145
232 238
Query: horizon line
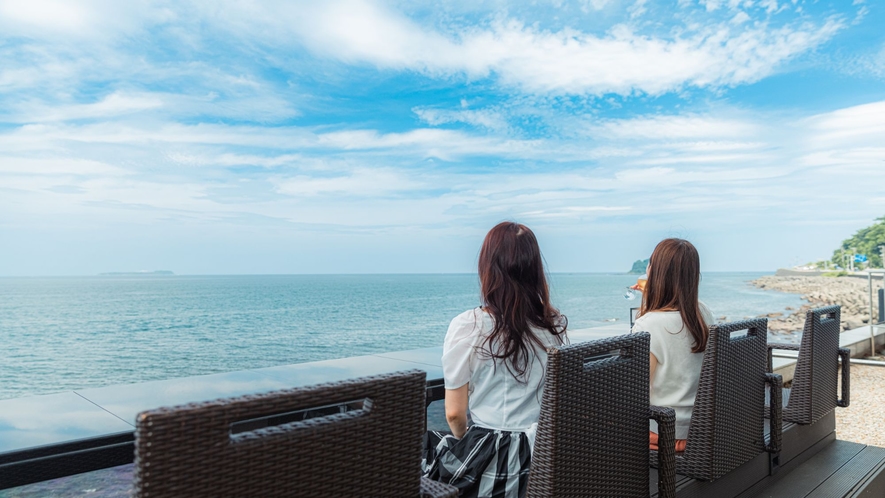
155 275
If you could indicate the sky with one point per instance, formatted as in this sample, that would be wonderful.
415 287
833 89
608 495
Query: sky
229 137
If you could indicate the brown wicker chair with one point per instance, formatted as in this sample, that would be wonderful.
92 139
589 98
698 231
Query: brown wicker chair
358 437
592 435
814 390
727 425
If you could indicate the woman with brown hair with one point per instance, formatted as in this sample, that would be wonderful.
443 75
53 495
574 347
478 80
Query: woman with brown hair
494 358
679 326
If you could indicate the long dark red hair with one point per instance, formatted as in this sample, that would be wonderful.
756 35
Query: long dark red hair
674 274
515 293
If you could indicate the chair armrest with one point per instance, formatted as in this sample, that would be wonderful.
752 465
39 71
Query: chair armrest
436 489
845 355
776 345
666 419
776 385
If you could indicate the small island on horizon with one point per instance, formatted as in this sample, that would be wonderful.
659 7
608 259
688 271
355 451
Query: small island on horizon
639 267
139 273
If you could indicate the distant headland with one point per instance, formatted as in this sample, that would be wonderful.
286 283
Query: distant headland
134 273
639 267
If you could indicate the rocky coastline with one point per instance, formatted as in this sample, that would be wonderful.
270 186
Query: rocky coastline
852 293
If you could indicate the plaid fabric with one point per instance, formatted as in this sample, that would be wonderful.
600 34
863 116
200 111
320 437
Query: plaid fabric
485 463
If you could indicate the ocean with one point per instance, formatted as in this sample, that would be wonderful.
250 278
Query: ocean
64 333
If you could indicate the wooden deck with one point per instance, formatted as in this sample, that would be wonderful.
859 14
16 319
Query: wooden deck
812 463
839 469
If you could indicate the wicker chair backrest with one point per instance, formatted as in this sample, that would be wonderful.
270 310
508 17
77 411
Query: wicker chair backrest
727 425
192 451
592 435
815 381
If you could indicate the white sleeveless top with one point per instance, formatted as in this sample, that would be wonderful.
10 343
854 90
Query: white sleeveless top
676 377
496 399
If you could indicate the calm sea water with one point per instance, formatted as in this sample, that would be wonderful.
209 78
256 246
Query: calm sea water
62 333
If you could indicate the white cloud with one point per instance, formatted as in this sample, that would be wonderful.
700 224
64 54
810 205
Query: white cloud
625 62
850 161
46 14
484 118
17 77
234 159
81 19
32 67
674 127
57 167
113 105
862 121
571 212
637 9
359 182
740 18
710 5
566 61
588 5
438 143
770 6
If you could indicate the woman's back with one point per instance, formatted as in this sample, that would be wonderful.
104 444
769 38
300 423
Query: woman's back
678 370
497 399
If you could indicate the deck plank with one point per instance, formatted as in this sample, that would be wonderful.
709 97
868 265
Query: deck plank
810 475
851 475
873 486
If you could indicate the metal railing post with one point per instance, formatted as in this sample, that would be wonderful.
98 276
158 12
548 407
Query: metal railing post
872 327
881 305
872 322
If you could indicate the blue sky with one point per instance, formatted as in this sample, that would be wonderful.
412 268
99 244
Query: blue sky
361 136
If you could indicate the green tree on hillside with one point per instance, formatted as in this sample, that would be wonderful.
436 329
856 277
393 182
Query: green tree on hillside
865 241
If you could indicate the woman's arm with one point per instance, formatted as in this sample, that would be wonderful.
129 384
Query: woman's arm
456 410
652 365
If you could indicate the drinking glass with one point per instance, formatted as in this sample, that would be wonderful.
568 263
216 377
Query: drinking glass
630 293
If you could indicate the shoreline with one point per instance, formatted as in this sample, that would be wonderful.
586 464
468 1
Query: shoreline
817 291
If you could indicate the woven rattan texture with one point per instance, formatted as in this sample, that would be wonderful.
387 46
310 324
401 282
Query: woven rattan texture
189 451
666 456
775 414
814 391
436 489
727 423
592 435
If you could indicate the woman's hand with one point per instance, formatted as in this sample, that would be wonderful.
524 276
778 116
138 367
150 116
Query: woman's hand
456 410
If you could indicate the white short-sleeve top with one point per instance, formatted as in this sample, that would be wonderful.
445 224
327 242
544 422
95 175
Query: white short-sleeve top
496 399
676 376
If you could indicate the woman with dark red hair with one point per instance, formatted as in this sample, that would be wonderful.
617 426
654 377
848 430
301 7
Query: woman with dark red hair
494 358
679 326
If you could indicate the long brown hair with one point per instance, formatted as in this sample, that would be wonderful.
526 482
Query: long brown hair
674 273
515 293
